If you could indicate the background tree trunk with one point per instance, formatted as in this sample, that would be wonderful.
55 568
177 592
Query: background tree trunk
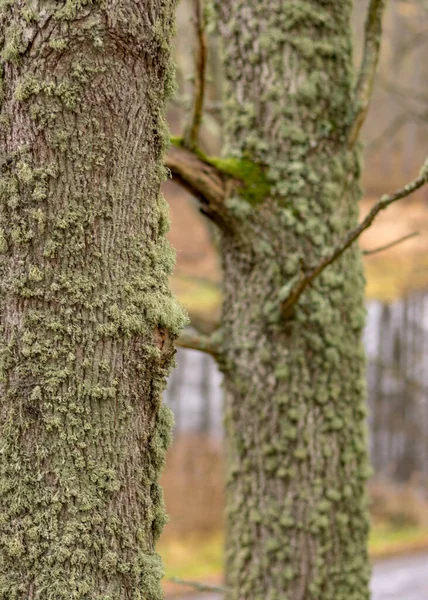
86 314
295 411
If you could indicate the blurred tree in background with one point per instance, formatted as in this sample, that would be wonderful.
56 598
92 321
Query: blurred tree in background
284 198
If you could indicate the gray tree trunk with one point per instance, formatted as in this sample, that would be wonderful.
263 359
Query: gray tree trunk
295 393
87 319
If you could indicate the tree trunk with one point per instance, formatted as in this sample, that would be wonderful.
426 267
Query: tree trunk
295 393
86 314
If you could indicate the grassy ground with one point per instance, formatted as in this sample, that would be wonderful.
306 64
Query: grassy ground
193 558
202 559
385 541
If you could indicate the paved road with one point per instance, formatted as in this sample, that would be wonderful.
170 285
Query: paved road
393 579
401 579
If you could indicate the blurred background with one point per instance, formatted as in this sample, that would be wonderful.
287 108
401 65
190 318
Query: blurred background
396 335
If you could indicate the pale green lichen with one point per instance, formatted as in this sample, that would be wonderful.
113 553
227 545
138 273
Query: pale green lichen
12 46
3 241
58 44
84 259
295 417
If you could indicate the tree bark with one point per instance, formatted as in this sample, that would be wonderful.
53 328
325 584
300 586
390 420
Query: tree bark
295 392
87 319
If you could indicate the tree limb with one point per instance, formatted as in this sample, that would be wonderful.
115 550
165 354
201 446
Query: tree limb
203 343
191 131
404 238
365 83
307 277
204 181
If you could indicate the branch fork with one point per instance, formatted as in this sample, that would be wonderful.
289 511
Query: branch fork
309 275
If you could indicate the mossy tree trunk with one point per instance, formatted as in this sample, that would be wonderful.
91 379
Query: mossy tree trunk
295 411
87 319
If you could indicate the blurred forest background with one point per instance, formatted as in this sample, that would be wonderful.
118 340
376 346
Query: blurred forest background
396 336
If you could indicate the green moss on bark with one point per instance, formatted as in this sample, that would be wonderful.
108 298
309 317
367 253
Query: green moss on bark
256 185
255 182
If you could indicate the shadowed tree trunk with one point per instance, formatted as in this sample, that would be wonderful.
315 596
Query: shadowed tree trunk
294 383
87 319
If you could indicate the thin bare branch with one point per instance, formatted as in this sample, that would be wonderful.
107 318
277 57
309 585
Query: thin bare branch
403 91
418 39
366 78
400 240
191 131
388 133
201 587
203 343
307 277
206 183
412 100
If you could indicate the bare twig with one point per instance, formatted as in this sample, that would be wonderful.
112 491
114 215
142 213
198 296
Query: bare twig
364 89
400 240
308 276
191 131
388 133
412 100
403 91
201 587
418 39
203 343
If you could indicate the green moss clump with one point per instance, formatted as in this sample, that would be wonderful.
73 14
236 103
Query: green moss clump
59 44
177 141
256 184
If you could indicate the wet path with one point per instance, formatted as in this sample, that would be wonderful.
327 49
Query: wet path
393 579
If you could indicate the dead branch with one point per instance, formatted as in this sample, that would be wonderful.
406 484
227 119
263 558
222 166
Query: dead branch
191 131
404 92
404 238
308 276
418 39
366 78
388 133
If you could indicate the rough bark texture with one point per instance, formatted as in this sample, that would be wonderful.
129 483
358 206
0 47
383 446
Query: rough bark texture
87 319
295 410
